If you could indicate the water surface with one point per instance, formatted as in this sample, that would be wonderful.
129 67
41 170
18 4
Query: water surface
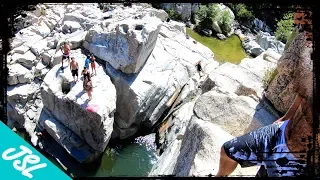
130 159
228 50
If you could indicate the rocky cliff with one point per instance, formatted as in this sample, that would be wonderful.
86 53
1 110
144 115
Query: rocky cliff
146 70
295 66
144 61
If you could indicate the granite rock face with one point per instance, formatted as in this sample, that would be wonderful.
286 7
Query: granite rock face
142 97
126 44
266 41
295 74
68 103
198 153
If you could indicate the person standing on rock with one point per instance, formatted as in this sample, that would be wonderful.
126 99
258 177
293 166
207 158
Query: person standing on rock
285 147
86 75
200 69
87 62
74 68
88 87
65 53
93 64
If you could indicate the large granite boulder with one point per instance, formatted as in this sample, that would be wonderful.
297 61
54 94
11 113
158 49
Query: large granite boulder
68 102
294 65
125 44
266 41
72 143
252 47
24 105
235 114
259 65
231 78
70 26
27 59
142 97
19 74
198 154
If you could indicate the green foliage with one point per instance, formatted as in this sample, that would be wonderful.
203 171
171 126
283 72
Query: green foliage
269 12
293 35
285 27
225 22
241 12
207 14
173 14
269 75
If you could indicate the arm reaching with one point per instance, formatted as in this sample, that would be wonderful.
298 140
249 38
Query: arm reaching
291 110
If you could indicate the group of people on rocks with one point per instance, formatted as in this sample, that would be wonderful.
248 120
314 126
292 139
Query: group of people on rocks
74 67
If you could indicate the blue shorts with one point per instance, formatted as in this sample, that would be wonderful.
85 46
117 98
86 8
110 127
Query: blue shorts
266 146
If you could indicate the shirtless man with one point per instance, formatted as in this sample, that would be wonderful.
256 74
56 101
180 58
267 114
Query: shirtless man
74 67
66 53
285 147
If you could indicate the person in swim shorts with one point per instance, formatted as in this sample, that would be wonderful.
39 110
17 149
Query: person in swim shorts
65 53
74 68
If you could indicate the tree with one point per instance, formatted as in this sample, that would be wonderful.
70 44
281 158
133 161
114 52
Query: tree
284 27
207 14
173 14
241 11
225 22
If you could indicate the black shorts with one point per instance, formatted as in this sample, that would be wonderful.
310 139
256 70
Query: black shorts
265 146
74 72
65 56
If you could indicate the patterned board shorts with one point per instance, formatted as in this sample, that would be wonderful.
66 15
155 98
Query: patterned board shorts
266 146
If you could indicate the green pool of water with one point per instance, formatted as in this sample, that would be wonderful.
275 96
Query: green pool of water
135 158
228 50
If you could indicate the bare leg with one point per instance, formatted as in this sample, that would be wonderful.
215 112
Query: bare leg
226 165
90 95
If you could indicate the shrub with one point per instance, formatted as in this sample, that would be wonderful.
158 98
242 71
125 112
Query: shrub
285 27
173 14
241 12
225 22
207 14
269 75
293 35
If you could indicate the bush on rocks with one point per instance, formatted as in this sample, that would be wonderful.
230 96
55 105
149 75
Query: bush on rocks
173 14
207 15
241 12
213 16
284 27
226 22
